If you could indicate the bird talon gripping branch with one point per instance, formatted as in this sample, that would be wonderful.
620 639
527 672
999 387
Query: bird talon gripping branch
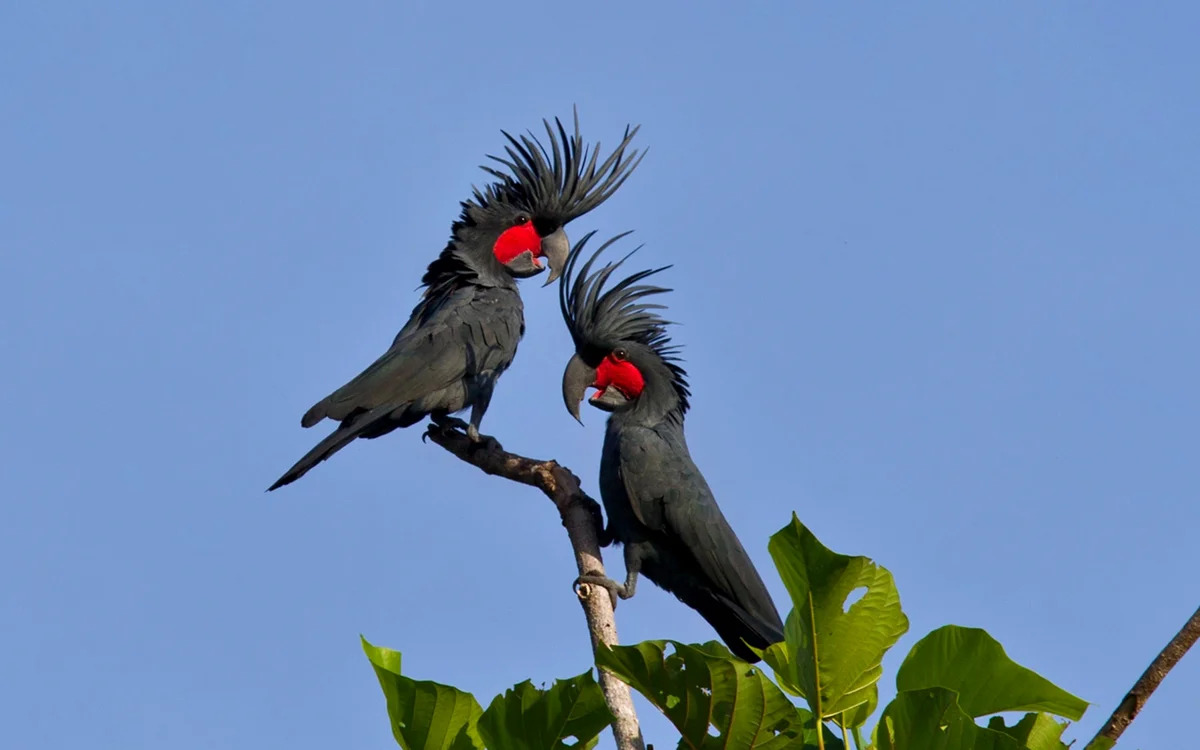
614 589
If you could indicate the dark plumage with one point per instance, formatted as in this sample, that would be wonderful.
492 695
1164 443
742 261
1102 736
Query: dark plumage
463 333
658 504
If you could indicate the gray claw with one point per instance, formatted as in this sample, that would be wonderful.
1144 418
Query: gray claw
616 591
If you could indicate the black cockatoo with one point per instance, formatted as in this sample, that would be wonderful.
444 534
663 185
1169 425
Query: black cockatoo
659 506
464 331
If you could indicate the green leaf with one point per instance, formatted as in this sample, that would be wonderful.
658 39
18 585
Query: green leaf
701 685
857 716
526 718
832 656
925 719
424 715
973 664
1034 731
932 720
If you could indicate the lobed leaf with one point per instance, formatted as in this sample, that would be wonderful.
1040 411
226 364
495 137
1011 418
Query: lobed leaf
703 686
973 664
424 715
931 719
1035 731
832 656
526 718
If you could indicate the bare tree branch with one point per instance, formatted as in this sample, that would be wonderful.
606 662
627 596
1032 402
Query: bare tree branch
1137 696
581 516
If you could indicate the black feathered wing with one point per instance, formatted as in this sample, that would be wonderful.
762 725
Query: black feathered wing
431 359
704 563
445 358
470 333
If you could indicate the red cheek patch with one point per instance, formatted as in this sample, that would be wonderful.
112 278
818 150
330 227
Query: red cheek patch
622 375
517 240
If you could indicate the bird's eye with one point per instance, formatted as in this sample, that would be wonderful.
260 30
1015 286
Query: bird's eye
620 355
521 219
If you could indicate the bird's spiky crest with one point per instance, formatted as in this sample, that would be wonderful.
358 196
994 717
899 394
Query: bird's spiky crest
553 186
563 183
601 319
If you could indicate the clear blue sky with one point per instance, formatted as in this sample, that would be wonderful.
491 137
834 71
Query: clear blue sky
937 270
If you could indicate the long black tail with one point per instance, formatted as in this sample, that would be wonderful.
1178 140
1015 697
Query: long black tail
334 442
735 625
338 439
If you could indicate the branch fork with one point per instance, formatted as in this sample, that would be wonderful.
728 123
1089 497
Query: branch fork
582 519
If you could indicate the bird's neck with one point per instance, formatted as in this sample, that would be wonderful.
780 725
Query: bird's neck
465 260
657 408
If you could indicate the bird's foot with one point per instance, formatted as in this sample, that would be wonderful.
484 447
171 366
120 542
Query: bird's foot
483 442
444 424
440 425
616 591
451 423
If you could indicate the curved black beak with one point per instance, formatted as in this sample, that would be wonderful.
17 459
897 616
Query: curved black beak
557 248
577 378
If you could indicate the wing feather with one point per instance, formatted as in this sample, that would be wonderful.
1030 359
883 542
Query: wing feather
464 336
668 494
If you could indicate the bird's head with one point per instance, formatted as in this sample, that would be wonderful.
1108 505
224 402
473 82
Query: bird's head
621 346
538 191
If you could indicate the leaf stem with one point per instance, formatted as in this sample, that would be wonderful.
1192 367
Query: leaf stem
859 744
845 739
818 709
